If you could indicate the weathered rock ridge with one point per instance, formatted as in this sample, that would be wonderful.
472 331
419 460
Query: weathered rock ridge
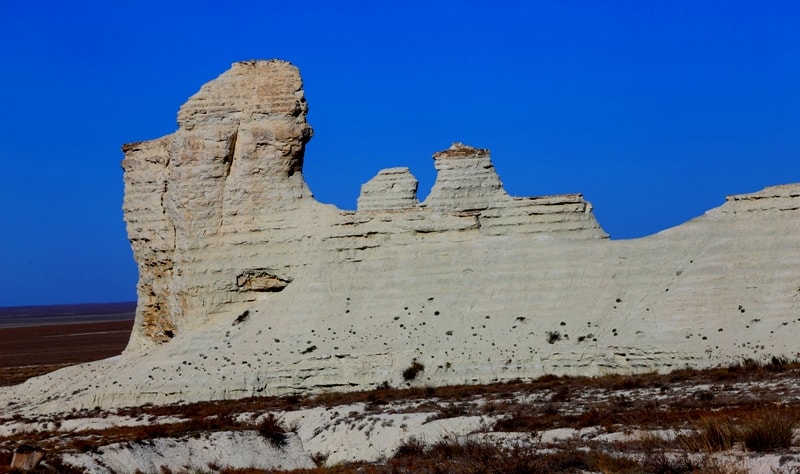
250 286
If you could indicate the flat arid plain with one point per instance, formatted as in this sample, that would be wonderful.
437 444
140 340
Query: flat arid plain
40 339
736 419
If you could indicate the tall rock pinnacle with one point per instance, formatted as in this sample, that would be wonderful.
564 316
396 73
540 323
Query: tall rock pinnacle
237 156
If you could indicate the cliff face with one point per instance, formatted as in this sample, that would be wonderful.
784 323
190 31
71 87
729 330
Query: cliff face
235 162
249 286
218 212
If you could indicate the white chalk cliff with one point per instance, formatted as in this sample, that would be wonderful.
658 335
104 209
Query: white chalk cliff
249 286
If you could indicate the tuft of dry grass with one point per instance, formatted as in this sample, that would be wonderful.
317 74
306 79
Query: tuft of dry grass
273 430
769 429
760 429
713 432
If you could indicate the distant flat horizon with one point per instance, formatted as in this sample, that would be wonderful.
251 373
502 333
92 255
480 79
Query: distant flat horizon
45 315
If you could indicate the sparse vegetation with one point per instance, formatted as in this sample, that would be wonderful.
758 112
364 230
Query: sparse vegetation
747 407
759 429
411 372
714 432
769 429
320 459
274 431
469 455
553 337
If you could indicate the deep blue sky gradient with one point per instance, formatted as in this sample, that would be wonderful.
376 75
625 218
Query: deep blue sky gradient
653 110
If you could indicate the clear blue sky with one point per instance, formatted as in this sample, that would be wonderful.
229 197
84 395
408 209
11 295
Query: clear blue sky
653 110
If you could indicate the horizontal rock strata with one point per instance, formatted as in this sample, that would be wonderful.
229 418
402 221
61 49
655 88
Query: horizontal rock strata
248 286
393 188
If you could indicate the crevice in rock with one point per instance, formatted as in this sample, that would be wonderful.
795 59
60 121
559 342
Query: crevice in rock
163 197
259 279
228 158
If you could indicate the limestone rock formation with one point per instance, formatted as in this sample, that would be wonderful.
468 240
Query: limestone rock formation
249 286
233 165
392 188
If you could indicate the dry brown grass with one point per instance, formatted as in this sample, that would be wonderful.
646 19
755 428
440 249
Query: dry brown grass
769 429
473 456
758 428
720 417
713 432
17 375
451 455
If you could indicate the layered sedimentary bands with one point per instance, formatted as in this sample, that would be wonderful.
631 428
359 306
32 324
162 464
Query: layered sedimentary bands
249 286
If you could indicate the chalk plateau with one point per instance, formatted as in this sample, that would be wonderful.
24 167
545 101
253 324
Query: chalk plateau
249 286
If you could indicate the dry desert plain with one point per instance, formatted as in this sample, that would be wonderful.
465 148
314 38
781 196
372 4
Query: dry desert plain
40 339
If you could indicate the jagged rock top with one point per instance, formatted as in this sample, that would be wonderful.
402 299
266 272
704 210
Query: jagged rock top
460 150
249 90
466 180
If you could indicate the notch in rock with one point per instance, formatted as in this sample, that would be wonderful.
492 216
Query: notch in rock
259 279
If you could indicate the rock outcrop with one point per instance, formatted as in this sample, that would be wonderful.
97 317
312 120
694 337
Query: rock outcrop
392 188
234 163
249 286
